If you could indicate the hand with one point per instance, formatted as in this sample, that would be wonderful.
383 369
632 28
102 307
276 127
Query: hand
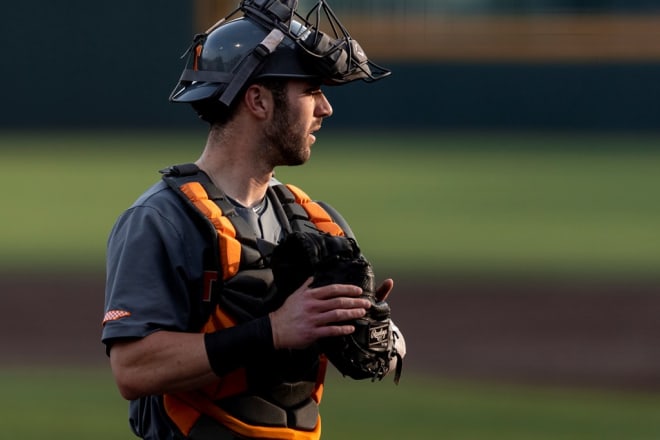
384 290
309 314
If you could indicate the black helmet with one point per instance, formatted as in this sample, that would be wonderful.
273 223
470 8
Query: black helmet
270 40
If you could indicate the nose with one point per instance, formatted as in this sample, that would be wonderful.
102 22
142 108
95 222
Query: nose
323 108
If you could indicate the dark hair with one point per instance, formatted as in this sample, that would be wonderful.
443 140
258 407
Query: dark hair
215 113
277 87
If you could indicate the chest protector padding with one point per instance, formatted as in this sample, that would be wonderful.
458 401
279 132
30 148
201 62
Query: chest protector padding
283 390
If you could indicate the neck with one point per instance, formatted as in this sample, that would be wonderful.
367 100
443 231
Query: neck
233 168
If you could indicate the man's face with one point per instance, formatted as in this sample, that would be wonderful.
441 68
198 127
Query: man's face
296 117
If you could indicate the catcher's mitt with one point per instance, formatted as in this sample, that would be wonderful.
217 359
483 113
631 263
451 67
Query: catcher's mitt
369 351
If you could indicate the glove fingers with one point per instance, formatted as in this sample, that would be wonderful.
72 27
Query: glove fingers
368 351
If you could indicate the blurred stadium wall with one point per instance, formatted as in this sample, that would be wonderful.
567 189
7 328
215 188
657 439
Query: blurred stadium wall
458 64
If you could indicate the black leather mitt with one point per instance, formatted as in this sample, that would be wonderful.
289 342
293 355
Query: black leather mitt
369 351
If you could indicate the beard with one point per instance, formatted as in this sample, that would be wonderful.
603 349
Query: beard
286 138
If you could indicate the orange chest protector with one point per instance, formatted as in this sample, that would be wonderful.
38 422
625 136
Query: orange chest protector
280 399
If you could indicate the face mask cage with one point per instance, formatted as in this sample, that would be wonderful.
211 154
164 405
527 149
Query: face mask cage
335 54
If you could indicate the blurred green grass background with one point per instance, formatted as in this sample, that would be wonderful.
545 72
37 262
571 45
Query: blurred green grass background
81 404
438 203
426 204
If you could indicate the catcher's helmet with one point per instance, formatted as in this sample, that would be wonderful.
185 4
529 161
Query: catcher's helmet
270 40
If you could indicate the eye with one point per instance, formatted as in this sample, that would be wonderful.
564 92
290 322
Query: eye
313 88
314 91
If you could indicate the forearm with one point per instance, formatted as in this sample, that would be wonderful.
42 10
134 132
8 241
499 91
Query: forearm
159 363
171 361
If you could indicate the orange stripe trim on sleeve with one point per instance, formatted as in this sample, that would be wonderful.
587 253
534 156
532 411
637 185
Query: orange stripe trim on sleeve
113 315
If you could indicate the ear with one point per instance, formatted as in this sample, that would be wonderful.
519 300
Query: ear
259 101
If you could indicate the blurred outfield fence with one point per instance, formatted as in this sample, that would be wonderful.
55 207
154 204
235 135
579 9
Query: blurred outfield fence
457 64
488 30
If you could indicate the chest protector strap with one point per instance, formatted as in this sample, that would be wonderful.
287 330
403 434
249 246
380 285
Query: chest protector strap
198 190
301 212
230 256
310 210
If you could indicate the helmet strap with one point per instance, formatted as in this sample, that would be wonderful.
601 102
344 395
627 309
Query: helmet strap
250 64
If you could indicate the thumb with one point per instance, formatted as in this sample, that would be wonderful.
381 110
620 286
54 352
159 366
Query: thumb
384 290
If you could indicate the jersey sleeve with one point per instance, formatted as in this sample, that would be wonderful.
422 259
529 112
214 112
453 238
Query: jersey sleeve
146 286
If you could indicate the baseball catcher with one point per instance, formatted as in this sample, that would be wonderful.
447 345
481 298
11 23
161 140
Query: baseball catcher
376 346
206 339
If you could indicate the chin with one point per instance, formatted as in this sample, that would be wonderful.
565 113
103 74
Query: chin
293 161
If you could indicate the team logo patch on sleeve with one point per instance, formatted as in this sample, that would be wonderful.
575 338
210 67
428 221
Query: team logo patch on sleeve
113 315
